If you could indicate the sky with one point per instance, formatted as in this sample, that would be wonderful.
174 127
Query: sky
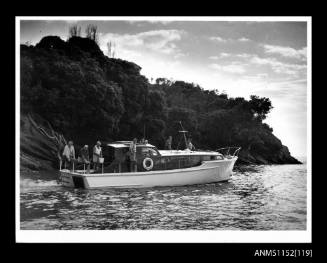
240 58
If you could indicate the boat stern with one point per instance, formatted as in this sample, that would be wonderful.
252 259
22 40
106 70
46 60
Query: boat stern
69 179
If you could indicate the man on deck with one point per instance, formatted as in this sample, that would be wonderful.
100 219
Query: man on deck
168 143
190 146
69 154
84 155
132 155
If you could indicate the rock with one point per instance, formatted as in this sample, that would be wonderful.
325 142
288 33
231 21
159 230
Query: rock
39 146
282 157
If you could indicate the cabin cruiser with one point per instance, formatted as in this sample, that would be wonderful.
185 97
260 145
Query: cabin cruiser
154 167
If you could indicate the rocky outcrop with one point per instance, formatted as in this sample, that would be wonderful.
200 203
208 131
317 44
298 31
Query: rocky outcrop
283 156
40 145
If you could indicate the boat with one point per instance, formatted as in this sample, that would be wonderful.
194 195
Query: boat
154 167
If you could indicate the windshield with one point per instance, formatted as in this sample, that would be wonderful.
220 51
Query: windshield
148 150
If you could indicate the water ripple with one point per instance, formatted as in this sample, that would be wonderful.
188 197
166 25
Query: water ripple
257 198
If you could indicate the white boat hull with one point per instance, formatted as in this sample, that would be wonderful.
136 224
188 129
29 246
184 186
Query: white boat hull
207 172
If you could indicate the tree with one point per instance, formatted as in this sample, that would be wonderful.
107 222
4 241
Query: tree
163 81
74 31
91 32
260 107
111 49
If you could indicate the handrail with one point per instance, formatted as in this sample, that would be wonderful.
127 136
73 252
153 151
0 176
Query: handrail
226 151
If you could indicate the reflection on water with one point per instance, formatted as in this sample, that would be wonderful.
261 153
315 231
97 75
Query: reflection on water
257 198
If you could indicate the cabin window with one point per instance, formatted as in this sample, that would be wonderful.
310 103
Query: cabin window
207 158
195 159
150 151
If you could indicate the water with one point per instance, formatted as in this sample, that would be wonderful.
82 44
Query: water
270 197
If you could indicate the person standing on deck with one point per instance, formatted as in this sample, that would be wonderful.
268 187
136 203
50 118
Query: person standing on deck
97 154
69 153
168 143
190 146
132 154
84 155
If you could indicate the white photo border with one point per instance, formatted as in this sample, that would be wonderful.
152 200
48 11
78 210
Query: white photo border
166 236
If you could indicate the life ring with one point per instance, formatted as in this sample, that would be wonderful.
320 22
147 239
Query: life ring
147 167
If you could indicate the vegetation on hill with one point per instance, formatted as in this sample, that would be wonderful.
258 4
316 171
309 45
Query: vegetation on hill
87 96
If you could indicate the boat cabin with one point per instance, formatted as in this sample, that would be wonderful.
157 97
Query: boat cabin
149 158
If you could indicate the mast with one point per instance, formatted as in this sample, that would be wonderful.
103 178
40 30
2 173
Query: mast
184 133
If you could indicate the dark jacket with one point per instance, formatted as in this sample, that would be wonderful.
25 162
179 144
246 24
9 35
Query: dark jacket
84 154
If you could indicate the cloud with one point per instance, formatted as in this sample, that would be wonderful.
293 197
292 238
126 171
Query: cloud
159 41
286 51
244 55
232 56
163 22
243 39
71 21
232 68
277 66
221 55
218 39
224 40
245 60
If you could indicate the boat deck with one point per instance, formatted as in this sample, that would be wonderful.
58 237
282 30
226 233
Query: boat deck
187 153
